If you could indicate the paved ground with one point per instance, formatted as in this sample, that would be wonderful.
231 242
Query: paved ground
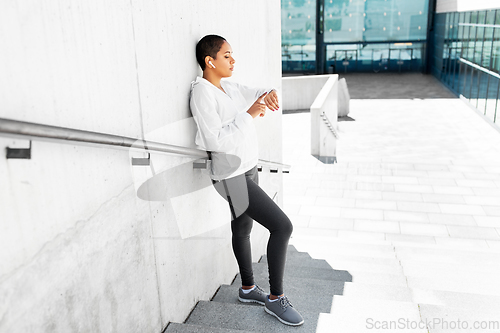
395 86
412 209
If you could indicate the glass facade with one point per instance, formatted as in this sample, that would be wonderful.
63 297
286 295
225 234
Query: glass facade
298 35
466 56
353 35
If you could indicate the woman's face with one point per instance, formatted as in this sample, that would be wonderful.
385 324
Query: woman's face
224 63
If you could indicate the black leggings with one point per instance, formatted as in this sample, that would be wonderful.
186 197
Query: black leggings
249 202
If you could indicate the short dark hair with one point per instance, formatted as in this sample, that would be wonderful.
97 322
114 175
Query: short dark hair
208 46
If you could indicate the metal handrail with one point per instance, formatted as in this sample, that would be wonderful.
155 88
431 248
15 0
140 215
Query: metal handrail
41 132
15 128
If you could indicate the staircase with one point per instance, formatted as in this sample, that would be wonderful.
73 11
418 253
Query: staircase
416 286
310 284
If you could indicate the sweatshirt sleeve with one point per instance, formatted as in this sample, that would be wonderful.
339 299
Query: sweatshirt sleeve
212 134
251 94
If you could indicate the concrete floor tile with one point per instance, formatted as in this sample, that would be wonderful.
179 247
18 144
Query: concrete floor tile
413 188
492 169
463 243
400 196
492 210
445 175
431 167
325 192
291 199
377 226
452 190
462 209
360 213
291 209
318 211
487 221
312 233
473 232
466 168
364 186
475 183
364 178
482 175
410 173
361 235
482 191
420 207
376 204
482 200
419 239
467 220
299 221
335 202
369 195
399 180
493 244
331 223
443 198
400 216
437 181
410 228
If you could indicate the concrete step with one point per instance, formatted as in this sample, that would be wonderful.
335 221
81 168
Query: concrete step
260 271
377 291
367 267
186 328
298 290
464 253
455 299
378 278
458 284
354 315
324 234
462 272
420 296
333 246
456 319
477 267
366 259
448 257
217 315
456 245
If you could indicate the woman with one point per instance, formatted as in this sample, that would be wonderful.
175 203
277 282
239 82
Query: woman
224 113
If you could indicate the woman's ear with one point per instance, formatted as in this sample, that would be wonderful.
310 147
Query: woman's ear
208 60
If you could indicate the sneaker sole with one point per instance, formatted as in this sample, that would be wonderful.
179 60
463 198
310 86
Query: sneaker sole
244 300
283 321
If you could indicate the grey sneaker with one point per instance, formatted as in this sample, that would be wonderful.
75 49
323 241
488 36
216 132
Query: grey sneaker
284 311
256 296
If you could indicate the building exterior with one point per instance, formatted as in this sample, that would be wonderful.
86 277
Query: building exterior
458 41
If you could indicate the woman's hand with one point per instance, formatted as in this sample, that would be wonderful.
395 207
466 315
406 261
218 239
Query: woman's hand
258 108
271 101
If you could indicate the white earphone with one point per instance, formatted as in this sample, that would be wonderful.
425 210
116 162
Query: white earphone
210 62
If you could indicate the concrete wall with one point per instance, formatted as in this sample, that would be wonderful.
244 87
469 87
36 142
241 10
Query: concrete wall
445 6
299 92
90 243
324 114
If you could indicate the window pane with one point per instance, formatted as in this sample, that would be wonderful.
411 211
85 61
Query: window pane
298 35
375 20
